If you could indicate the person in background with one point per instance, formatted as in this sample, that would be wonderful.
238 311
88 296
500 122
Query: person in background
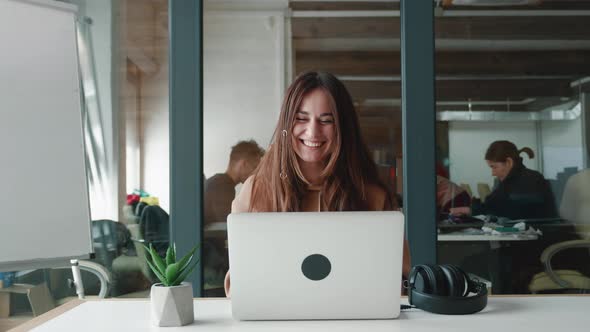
520 194
318 160
220 189
219 192
449 195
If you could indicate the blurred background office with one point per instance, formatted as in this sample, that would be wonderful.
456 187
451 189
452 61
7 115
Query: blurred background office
509 70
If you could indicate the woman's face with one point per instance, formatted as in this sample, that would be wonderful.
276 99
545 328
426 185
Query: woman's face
314 130
500 169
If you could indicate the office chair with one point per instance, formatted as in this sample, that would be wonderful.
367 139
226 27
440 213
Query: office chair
483 190
560 280
44 289
575 207
467 188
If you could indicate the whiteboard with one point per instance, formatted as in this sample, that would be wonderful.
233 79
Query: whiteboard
44 209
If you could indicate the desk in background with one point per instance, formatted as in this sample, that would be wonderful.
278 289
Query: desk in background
532 313
486 237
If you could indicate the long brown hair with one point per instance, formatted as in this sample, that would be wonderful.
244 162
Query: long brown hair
500 151
279 185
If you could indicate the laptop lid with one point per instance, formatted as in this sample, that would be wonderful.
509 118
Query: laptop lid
315 265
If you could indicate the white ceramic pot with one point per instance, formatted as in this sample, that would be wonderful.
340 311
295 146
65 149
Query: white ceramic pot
172 306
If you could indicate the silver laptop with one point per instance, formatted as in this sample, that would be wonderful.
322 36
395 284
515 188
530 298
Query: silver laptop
315 265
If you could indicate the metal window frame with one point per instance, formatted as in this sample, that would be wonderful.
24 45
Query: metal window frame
186 129
418 128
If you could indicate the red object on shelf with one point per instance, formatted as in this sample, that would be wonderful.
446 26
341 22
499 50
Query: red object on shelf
132 198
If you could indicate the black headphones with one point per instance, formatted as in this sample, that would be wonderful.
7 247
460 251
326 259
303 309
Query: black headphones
444 289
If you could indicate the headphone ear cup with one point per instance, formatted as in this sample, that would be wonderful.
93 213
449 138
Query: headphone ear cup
438 281
456 280
463 279
420 279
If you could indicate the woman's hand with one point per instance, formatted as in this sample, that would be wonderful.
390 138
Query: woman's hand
226 284
460 211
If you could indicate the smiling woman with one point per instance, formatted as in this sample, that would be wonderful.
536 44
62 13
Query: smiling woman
314 134
318 160
317 145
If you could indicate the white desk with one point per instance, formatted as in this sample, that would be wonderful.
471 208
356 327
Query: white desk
533 313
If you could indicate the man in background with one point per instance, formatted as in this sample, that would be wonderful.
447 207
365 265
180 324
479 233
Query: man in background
219 192
220 188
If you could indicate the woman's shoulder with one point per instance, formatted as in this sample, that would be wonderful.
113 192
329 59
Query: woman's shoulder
531 175
242 201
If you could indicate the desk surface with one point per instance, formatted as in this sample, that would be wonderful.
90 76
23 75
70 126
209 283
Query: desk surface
532 313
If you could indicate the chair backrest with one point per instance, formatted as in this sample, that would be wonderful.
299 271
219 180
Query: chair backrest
155 227
483 189
575 202
108 240
137 238
467 188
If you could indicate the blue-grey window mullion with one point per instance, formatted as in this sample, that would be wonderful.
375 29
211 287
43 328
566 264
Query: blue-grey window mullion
585 107
186 129
418 128
584 98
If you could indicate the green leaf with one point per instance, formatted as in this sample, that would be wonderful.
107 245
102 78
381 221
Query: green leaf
172 271
183 275
157 273
170 256
183 263
174 252
157 260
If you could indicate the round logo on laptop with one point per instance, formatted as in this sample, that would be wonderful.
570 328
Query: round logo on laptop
316 267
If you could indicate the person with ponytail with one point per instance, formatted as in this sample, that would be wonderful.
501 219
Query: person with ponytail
521 193
317 160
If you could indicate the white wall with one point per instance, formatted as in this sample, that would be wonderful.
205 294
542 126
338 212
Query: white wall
243 81
562 146
156 138
468 142
243 86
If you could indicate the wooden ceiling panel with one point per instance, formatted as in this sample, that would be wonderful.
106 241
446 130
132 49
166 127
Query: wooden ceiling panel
393 5
344 5
453 63
500 89
487 28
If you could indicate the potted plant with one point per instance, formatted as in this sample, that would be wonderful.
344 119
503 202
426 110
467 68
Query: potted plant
171 299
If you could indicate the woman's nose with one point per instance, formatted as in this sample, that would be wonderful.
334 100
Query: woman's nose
313 128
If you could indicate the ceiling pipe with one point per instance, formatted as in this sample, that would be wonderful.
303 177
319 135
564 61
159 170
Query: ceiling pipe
441 44
397 78
564 112
392 102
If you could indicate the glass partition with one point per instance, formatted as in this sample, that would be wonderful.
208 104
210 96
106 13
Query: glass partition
252 56
512 153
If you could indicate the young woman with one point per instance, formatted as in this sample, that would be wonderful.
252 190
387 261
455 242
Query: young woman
317 160
521 193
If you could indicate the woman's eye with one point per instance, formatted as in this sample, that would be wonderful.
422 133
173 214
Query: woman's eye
300 119
326 121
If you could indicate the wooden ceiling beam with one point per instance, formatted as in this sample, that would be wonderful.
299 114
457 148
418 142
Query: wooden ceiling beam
379 5
467 89
483 27
344 5
512 63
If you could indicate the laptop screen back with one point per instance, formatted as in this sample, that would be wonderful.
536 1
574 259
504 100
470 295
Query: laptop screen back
315 265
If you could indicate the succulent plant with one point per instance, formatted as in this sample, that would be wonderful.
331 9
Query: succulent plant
167 269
